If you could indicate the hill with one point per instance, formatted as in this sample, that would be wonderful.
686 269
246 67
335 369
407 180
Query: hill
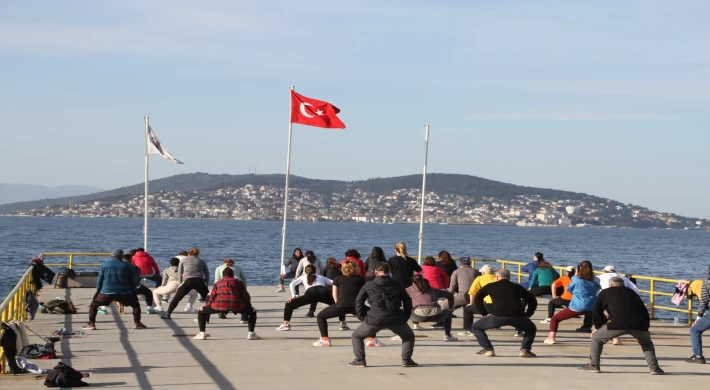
455 184
11 193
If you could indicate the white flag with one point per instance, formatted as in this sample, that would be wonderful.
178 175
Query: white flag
154 147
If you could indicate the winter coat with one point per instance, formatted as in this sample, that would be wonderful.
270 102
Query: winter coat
390 305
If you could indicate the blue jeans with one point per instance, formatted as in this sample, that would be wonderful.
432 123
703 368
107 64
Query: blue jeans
696 334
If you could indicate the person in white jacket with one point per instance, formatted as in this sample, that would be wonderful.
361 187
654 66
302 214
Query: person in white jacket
316 291
310 258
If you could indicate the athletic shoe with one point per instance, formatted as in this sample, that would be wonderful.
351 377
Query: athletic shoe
437 325
222 316
657 371
524 353
518 334
583 330
310 314
549 341
617 343
102 312
589 368
545 321
395 338
284 327
253 336
322 343
92 326
158 308
450 338
358 363
486 353
149 311
242 322
416 327
344 327
165 316
409 363
200 336
164 299
374 343
189 309
139 325
696 359
280 290
466 333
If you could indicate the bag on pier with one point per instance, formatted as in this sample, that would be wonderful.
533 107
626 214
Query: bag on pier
58 306
64 376
37 351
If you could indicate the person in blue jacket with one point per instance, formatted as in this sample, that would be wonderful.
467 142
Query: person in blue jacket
531 267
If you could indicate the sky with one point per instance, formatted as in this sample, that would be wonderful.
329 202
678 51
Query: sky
608 98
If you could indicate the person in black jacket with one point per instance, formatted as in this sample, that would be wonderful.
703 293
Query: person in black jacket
627 314
376 257
390 308
508 309
402 266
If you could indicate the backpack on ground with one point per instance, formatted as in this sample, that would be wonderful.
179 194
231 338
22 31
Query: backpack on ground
64 376
58 306
38 351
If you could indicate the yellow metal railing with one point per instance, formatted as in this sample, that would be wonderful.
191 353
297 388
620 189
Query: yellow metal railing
71 256
13 307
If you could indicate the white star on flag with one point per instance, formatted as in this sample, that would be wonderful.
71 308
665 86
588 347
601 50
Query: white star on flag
319 112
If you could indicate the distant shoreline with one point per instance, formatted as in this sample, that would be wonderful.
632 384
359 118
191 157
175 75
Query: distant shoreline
355 222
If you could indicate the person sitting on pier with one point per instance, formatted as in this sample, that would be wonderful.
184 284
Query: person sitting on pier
560 296
542 278
425 304
194 275
488 275
289 267
345 290
389 308
170 284
140 289
701 323
509 301
316 291
115 283
584 289
149 268
626 313
228 295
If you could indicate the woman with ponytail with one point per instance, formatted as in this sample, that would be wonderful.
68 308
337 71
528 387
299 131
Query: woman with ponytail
316 291
425 304
403 267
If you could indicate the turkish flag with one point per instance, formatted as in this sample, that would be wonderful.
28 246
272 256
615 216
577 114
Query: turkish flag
312 112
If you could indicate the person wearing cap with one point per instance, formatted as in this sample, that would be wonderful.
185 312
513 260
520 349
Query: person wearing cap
487 276
115 283
560 296
460 279
626 313
609 273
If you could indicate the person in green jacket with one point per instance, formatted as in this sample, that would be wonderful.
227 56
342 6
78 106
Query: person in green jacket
542 279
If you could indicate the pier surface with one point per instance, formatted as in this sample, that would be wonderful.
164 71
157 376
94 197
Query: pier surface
160 357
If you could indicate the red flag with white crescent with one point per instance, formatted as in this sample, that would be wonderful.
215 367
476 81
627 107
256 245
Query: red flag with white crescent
312 112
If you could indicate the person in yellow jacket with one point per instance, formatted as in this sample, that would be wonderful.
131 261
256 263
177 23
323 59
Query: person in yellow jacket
488 275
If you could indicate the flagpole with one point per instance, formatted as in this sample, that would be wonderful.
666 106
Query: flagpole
421 217
145 198
288 172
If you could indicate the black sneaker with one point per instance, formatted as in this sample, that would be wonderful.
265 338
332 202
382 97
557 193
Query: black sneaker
409 363
486 352
166 316
657 371
358 363
310 314
589 368
223 316
695 359
584 330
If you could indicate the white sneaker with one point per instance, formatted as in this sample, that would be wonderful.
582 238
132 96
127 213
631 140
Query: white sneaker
200 336
158 308
253 336
416 327
374 343
395 338
280 290
243 322
284 327
545 321
466 333
322 343
189 309
450 338
549 341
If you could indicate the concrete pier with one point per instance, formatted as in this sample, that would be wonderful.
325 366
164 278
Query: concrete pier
161 357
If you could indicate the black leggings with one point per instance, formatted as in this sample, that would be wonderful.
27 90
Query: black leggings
541 290
312 296
197 284
145 291
556 303
332 312
203 317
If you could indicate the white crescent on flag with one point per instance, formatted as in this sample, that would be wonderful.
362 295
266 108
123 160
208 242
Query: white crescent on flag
154 147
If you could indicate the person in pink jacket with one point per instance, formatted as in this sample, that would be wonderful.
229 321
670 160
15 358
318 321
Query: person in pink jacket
437 277
149 268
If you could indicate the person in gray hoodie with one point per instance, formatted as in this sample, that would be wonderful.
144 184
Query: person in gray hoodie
194 275
461 281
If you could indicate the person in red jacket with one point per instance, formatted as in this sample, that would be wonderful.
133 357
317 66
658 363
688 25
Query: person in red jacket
149 268
229 294
437 277
354 255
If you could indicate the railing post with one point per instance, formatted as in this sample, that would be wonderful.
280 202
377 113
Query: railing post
690 311
520 271
71 261
652 289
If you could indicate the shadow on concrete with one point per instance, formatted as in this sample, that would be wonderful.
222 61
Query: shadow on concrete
142 378
108 384
204 362
119 370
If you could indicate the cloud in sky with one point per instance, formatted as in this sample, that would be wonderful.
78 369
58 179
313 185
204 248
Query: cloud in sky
566 117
